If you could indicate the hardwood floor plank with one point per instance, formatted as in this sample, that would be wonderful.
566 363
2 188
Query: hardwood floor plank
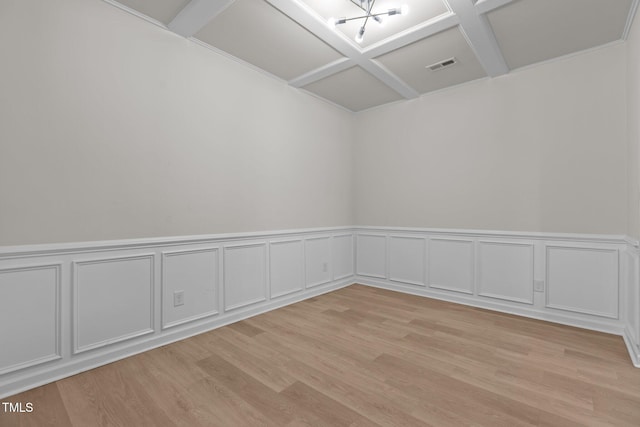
328 410
47 409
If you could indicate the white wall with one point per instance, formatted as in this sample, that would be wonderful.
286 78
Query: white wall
633 126
540 149
111 127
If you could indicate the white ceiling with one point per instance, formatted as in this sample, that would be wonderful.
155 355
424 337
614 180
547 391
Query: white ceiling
292 40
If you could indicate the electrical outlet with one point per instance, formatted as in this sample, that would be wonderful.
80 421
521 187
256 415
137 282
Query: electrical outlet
538 285
325 267
178 298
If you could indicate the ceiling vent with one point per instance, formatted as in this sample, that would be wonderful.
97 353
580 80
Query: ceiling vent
442 64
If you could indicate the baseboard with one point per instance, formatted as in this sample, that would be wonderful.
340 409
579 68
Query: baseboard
632 347
610 327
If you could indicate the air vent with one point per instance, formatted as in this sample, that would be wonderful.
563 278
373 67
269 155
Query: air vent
442 64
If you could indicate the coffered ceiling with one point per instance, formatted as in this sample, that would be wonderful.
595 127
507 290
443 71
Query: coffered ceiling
293 40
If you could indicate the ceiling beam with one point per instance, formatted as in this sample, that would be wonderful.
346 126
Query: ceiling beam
322 72
479 35
632 14
309 19
195 15
413 34
484 6
387 77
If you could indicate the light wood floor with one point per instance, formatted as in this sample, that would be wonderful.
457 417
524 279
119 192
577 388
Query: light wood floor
358 357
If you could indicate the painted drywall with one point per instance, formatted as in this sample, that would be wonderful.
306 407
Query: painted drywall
111 127
633 127
540 149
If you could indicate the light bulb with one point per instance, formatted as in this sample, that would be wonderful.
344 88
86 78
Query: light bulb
379 20
360 35
404 9
331 22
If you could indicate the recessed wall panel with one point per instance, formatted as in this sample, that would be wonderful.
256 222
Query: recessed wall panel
506 271
113 300
583 280
318 261
245 275
286 267
29 316
451 265
342 256
407 259
194 273
371 257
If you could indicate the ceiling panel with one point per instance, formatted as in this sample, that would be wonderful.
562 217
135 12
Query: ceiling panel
410 62
257 33
530 31
419 12
354 89
162 10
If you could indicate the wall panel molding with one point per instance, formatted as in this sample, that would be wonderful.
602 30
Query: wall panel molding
286 270
245 274
371 255
505 270
21 350
197 278
583 280
407 259
318 260
115 301
343 256
109 300
500 271
452 264
451 259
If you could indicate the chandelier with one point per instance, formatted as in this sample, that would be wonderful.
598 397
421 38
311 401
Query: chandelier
367 7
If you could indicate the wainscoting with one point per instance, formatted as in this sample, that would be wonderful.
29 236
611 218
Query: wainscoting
66 308
588 281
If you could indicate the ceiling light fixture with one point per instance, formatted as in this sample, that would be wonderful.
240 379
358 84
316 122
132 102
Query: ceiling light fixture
367 7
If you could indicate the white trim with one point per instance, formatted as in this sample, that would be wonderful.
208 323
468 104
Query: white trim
426 29
632 348
630 18
22 251
353 264
472 266
66 256
600 325
168 254
77 349
616 239
196 15
485 6
137 14
479 35
265 274
321 72
547 281
308 284
57 318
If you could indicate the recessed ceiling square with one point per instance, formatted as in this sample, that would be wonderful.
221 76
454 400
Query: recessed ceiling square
162 10
410 62
259 34
354 89
419 12
530 31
